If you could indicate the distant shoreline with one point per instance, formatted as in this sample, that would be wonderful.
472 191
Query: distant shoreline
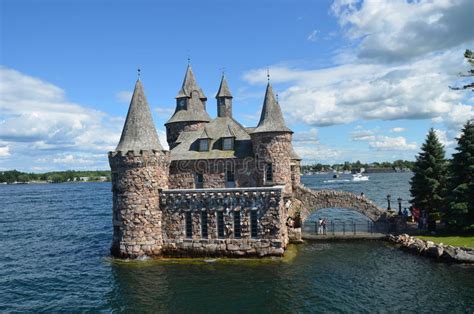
45 182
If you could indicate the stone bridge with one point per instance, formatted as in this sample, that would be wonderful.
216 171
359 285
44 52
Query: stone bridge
307 201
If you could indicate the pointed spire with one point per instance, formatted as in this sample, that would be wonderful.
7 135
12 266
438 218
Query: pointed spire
190 85
271 119
191 101
224 90
139 132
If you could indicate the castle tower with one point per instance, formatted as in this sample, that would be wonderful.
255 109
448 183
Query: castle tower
139 169
271 141
190 113
224 99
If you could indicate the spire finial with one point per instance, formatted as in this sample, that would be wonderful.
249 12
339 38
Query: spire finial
138 73
268 74
222 71
277 98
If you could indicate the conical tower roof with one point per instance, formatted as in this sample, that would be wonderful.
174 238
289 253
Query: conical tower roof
271 119
224 90
190 85
139 132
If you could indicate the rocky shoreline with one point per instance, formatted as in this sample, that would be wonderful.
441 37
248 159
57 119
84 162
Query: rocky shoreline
439 252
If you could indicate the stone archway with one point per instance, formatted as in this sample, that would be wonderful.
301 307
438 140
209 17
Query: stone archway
307 201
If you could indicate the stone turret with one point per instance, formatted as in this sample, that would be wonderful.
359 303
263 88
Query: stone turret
224 99
190 113
139 170
271 141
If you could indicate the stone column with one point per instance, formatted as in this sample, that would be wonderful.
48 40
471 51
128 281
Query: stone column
274 147
137 178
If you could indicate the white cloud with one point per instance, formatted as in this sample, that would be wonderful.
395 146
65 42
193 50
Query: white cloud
399 30
382 142
124 96
387 143
426 38
318 153
363 135
397 130
359 91
306 144
64 160
4 151
36 116
306 137
444 138
313 36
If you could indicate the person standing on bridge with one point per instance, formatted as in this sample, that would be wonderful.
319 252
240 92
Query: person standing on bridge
320 226
324 224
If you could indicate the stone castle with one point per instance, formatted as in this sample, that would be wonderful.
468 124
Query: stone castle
218 191
221 190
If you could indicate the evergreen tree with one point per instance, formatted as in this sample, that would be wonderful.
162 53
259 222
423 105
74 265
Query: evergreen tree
428 184
460 209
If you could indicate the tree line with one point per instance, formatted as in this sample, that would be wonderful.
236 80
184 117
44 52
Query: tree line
348 166
445 190
55 176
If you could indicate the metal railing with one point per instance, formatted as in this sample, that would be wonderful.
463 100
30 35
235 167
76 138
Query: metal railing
345 228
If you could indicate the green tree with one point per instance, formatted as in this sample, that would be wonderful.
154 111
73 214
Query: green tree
428 184
460 209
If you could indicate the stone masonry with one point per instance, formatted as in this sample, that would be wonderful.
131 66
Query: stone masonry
266 202
274 148
137 178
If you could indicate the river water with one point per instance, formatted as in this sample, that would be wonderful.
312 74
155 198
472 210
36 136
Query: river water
54 245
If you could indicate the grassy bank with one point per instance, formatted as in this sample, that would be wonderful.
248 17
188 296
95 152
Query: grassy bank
464 241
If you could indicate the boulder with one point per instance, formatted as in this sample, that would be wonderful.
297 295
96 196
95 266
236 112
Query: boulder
416 246
434 251
463 256
449 254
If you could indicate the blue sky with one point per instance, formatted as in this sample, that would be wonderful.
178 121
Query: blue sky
357 80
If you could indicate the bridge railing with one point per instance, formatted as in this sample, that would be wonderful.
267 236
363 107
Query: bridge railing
345 228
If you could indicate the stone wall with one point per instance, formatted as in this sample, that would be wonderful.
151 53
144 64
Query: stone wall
174 129
295 171
136 180
183 172
272 237
273 148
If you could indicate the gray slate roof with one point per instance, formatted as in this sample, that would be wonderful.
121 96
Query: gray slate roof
189 115
224 90
189 85
195 110
220 127
271 119
139 132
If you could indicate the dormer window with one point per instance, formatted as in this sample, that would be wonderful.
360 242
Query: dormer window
228 143
182 103
204 145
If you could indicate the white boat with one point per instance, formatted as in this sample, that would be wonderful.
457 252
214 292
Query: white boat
359 177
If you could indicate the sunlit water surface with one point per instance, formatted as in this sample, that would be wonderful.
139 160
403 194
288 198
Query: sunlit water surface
54 244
